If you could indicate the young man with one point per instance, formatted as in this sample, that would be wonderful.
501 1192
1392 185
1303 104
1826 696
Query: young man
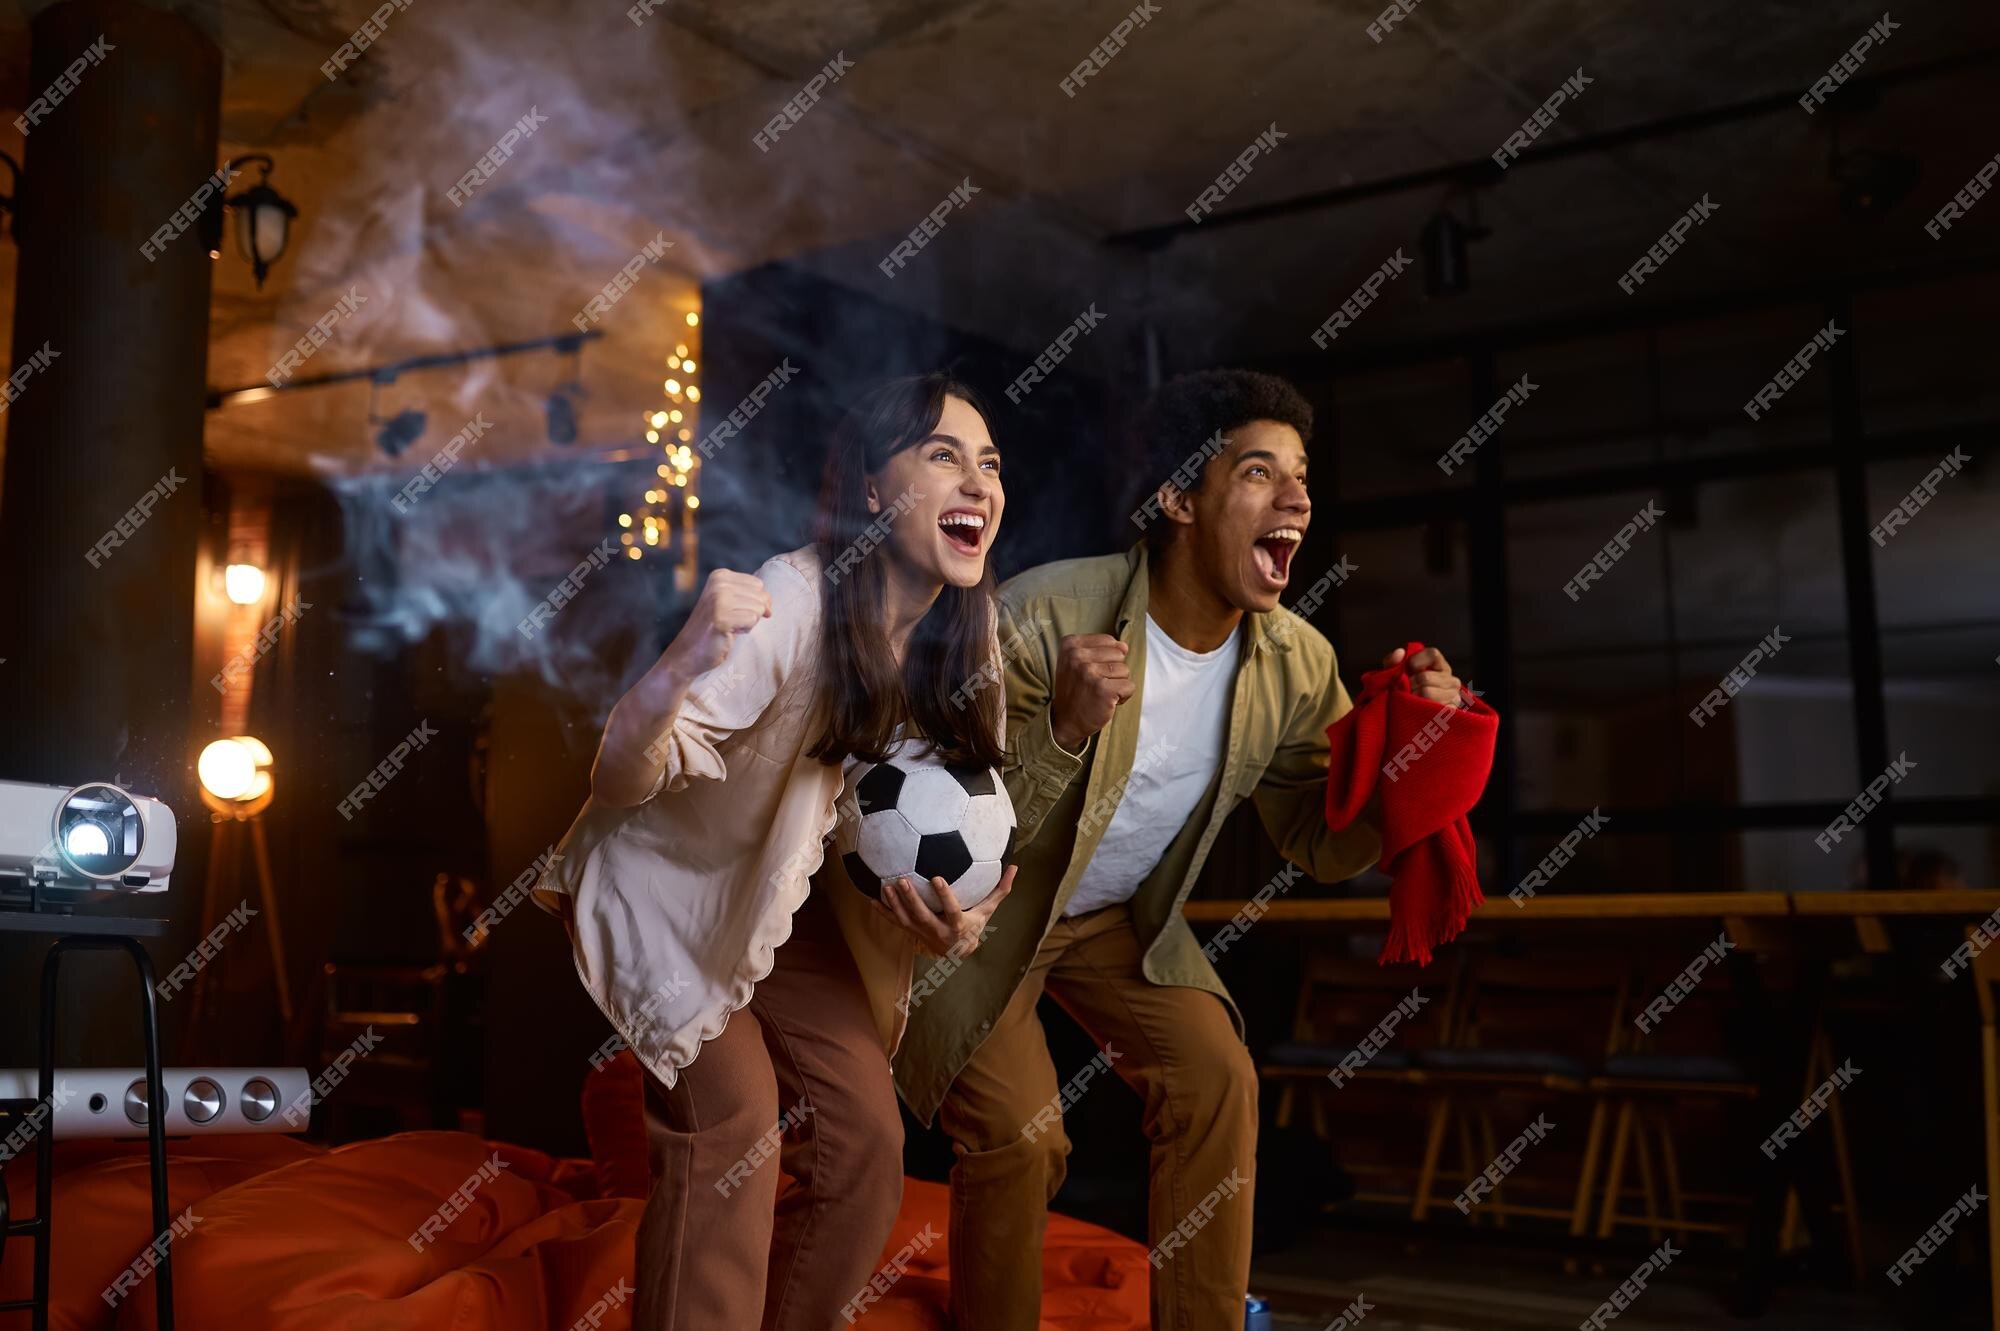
1147 694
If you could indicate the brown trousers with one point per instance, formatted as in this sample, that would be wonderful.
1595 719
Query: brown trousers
1178 1049
717 1246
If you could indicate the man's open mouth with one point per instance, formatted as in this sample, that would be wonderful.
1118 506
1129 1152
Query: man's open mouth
964 529
1274 550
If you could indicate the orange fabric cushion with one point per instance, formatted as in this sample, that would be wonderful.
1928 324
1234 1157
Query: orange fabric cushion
290 1236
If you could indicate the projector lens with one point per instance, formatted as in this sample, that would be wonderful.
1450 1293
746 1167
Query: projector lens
88 839
100 831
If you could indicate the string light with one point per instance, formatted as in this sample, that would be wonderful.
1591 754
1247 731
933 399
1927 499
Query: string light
665 517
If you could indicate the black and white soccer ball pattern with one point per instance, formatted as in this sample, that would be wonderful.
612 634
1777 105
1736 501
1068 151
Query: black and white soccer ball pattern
916 816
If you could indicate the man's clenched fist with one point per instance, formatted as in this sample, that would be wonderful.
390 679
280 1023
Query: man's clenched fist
1430 676
1091 680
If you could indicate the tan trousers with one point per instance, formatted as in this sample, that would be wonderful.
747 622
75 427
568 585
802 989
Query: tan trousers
717 1247
1178 1049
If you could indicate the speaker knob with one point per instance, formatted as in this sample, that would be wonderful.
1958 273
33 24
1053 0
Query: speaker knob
202 1100
259 1099
135 1102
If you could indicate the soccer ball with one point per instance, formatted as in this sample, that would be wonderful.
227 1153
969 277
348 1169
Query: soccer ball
917 816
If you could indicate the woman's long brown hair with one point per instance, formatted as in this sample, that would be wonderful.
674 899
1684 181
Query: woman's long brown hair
948 688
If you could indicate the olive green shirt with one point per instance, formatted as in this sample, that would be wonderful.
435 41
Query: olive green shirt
1287 692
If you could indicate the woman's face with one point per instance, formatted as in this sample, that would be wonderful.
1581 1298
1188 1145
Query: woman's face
940 500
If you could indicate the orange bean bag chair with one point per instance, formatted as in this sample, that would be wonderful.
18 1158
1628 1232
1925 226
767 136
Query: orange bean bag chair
285 1235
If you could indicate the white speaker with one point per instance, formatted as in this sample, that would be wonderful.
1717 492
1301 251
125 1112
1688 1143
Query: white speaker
111 1102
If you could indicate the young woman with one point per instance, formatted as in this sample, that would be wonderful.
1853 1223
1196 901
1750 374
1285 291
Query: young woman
759 991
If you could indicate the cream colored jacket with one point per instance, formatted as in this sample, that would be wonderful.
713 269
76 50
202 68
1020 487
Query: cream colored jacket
675 905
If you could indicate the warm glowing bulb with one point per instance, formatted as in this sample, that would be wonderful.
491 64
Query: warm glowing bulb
693 319
673 362
675 415
673 385
652 537
228 768
694 394
624 519
694 501
680 348
688 366
659 419
652 436
625 538
680 480
661 469
244 583
633 552
686 435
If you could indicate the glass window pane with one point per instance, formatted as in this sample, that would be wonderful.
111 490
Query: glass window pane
1709 368
1939 603
1561 601
1930 858
1916 365
1409 584
1590 407
1752 553
1391 426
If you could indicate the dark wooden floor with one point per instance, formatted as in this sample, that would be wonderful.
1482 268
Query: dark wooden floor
1484 1283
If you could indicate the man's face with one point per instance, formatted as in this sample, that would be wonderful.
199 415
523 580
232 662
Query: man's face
1246 521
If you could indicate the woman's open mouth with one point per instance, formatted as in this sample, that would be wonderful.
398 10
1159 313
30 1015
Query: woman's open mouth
963 529
1273 554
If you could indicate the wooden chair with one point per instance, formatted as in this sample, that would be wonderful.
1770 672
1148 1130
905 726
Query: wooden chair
1541 1024
403 1008
1341 1001
1685 1056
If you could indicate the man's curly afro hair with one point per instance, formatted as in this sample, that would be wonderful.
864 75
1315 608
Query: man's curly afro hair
1183 414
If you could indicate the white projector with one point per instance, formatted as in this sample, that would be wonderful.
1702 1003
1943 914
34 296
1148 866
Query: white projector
93 837
111 1102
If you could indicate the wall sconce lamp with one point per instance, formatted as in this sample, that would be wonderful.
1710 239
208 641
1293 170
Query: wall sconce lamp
263 218
7 208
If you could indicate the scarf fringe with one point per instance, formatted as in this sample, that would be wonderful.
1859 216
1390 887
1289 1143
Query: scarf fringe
1407 942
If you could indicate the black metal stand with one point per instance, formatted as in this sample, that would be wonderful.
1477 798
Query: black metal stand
79 934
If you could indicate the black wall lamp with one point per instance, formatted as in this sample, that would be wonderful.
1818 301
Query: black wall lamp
263 218
7 208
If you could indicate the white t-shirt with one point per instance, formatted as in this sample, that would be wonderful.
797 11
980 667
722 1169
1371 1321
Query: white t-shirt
1183 728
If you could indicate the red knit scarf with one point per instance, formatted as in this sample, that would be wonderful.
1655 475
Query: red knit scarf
1430 763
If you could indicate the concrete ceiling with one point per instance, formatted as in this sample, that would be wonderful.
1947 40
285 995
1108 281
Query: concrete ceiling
649 131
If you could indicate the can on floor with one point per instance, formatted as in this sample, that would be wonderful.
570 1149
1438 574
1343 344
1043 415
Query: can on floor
1256 1314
